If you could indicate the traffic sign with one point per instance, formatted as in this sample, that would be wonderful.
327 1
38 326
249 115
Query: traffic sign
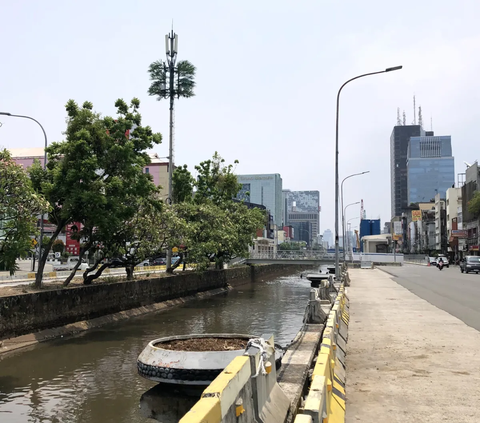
34 242
57 255
174 250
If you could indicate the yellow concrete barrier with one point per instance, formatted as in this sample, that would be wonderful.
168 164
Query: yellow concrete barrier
31 275
325 401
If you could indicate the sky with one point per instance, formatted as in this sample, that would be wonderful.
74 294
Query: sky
267 77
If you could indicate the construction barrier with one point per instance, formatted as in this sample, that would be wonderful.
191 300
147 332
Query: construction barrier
325 402
242 393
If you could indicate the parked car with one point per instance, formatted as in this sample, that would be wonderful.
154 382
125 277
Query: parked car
70 264
446 263
432 260
470 264
159 261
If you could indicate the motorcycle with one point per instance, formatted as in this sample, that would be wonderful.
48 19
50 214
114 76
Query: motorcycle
440 265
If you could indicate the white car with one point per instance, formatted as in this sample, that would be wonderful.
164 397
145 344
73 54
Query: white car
70 264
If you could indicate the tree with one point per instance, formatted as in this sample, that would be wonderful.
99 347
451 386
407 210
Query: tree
218 228
95 176
474 204
19 207
146 234
58 246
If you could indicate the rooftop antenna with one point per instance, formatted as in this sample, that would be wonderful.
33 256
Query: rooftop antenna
404 118
420 118
399 122
431 124
414 112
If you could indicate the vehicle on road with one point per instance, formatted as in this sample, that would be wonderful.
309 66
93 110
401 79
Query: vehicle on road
70 264
470 264
446 263
432 261
440 265
159 261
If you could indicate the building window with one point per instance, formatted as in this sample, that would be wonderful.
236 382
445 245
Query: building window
147 170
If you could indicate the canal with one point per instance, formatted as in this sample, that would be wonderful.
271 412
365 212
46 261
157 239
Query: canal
92 378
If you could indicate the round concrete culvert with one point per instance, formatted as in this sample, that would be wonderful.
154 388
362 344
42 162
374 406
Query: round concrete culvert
192 359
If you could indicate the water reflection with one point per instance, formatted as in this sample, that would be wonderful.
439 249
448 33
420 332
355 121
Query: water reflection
168 404
92 378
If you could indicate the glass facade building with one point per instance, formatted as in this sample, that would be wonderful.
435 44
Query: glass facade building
430 168
264 189
399 141
302 212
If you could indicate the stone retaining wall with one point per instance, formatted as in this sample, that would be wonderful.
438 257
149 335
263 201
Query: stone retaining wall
27 313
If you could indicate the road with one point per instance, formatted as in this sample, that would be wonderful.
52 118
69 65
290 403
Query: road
449 290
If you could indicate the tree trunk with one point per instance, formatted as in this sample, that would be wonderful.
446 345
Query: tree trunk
74 271
43 258
90 278
178 263
129 270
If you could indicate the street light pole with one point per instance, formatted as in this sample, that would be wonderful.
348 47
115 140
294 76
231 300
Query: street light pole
39 276
337 268
341 197
349 243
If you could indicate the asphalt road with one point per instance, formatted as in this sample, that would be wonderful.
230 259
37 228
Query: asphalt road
448 289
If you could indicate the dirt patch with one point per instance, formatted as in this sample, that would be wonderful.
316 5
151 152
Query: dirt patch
205 344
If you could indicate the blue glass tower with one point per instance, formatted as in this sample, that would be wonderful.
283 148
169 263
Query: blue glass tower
430 167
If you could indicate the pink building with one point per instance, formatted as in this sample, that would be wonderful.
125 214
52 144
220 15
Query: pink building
158 166
26 156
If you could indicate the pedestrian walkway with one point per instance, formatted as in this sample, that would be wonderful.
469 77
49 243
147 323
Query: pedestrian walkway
407 360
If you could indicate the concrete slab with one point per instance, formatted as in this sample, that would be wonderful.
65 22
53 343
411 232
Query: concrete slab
296 364
407 360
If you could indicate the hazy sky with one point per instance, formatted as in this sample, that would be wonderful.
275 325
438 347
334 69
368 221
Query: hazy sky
267 77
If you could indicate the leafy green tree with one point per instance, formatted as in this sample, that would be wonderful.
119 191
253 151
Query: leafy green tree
285 246
145 235
58 246
474 204
218 228
19 207
95 176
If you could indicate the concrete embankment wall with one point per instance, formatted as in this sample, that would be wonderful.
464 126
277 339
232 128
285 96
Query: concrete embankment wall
27 313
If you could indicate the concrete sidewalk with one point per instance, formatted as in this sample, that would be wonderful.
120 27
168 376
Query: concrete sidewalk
407 360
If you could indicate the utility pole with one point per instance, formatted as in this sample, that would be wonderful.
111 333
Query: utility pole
171 80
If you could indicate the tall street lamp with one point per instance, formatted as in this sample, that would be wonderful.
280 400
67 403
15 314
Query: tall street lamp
344 212
349 238
337 268
39 277
341 197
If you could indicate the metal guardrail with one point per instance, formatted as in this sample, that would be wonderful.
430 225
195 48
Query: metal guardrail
292 255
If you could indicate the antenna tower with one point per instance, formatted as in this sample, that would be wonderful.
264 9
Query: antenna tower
420 118
399 122
404 118
431 124
361 210
414 112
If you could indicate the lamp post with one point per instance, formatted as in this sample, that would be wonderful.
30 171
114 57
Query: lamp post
39 277
341 197
349 238
344 212
337 269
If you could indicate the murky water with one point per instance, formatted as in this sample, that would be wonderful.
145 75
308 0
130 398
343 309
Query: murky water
92 378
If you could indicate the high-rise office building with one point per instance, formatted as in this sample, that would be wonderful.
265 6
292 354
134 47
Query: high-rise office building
430 168
302 212
328 237
399 141
264 189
